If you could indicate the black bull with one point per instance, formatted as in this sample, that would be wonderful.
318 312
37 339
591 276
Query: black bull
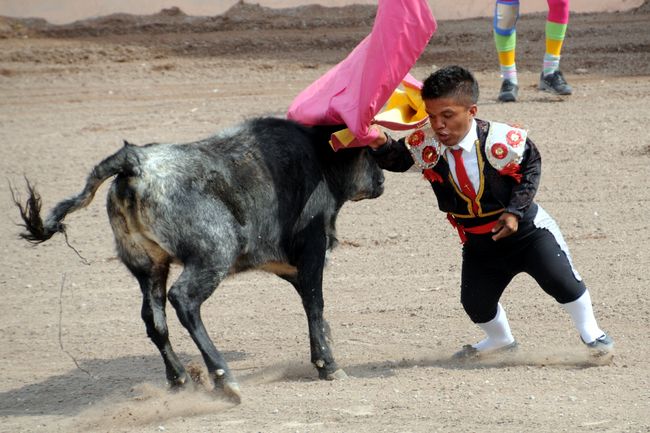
264 195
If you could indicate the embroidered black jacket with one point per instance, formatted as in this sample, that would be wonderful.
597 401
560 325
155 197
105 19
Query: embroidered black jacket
498 193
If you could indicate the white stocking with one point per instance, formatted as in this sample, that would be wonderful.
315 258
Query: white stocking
582 314
497 330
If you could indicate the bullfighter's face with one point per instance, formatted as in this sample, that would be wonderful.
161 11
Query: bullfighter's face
450 119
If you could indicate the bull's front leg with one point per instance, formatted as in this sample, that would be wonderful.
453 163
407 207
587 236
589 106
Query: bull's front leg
320 339
309 284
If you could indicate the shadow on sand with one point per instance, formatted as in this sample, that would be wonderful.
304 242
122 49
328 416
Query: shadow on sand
134 389
75 391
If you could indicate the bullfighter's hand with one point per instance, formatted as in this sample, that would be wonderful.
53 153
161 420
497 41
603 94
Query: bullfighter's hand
506 225
380 140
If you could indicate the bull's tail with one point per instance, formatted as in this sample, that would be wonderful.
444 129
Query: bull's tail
125 161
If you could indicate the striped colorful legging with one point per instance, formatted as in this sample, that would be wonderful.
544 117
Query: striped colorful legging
506 13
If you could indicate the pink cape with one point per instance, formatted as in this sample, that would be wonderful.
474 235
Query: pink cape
356 89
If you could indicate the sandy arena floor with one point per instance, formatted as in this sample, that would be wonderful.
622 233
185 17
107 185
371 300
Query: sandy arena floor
74 351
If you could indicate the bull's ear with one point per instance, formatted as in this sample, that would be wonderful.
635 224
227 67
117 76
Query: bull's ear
126 143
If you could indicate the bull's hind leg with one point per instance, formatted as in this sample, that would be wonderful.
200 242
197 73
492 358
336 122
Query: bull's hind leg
153 282
152 278
150 265
195 284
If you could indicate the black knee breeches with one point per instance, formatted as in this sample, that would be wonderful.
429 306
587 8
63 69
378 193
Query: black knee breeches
489 266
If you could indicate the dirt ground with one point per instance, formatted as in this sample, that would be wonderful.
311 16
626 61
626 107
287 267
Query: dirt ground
74 350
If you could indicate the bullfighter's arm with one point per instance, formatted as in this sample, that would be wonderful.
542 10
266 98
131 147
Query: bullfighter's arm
523 193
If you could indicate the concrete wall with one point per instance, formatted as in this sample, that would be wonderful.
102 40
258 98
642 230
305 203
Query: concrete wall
65 11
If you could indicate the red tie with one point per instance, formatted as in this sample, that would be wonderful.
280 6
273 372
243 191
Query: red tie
465 184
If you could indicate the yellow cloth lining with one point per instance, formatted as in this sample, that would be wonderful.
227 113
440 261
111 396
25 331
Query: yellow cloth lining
404 110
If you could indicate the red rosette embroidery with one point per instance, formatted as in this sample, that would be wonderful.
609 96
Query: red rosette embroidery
429 154
499 150
416 139
431 175
514 138
511 169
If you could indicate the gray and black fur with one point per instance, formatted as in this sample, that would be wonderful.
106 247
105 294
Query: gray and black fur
264 195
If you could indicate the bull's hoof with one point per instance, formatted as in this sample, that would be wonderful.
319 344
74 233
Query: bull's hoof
179 382
232 392
224 383
326 374
329 371
337 375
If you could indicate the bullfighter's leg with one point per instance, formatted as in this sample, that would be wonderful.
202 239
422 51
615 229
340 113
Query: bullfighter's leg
309 285
196 283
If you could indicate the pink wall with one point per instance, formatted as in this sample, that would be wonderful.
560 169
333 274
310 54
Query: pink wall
65 11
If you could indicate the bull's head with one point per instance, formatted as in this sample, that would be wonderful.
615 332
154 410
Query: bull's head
358 174
368 179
